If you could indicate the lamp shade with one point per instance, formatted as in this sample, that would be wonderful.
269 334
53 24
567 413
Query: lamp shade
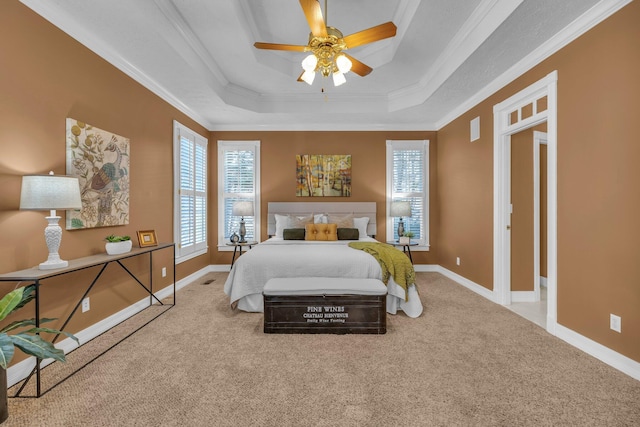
242 209
47 192
400 209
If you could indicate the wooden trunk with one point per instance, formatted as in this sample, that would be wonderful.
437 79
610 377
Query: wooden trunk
325 314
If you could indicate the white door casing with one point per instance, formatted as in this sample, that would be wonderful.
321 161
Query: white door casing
508 120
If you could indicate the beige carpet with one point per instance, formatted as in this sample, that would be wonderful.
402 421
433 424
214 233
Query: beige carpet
465 361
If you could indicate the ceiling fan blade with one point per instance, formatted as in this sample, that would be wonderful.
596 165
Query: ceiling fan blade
358 67
379 32
313 12
275 46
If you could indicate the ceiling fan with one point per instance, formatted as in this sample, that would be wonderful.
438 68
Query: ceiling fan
327 44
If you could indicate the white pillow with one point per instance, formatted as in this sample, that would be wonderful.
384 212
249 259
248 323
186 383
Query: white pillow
320 218
361 225
282 222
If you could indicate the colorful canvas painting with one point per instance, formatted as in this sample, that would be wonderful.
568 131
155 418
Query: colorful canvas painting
322 175
100 160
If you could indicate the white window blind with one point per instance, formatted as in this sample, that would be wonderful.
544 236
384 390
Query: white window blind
407 180
190 228
238 180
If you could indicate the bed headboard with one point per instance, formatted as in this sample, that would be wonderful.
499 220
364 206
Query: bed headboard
359 209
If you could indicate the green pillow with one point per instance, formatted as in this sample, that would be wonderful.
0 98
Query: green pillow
348 234
293 234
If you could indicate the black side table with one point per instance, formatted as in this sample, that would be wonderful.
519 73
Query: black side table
240 245
406 248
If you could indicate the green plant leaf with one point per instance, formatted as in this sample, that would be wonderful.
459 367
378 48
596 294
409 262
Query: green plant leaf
7 350
52 331
27 295
10 301
33 345
26 322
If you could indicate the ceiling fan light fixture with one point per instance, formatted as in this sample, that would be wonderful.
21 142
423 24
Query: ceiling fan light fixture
338 78
308 76
309 63
343 63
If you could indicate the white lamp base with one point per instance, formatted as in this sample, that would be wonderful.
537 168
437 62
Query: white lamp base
53 237
52 264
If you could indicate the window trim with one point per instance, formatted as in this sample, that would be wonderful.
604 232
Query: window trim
244 145
408 145
180 130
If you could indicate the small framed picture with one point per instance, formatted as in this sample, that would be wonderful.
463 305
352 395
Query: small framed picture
147 238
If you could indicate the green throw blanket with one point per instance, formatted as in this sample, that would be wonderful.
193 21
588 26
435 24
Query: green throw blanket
392 262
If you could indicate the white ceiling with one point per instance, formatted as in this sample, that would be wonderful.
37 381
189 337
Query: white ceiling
199 55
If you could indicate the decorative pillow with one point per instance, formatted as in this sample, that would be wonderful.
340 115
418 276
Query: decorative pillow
320 219
282 222
293 234
300 221
321 232
361 224
348 234
344 221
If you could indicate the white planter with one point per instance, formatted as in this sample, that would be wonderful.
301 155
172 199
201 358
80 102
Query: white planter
117 248
404 240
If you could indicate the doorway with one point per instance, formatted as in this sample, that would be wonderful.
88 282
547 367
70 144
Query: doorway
531 107
528 224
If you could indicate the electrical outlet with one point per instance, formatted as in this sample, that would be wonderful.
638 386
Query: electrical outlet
615 323
85 304
164 271
457 260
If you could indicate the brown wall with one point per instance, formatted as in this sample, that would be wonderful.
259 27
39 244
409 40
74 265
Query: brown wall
45 77
368 154
598 200
52 77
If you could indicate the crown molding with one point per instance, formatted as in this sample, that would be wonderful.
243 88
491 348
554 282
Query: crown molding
578 27
75 30
484 20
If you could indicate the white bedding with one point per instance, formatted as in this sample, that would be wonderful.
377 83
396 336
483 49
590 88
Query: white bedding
295 258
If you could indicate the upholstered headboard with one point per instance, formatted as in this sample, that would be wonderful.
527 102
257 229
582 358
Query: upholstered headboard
358 209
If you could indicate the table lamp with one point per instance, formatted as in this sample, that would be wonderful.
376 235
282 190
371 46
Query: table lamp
400 209
51 192
242 209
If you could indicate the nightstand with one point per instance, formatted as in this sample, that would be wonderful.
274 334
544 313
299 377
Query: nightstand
240 245
406 248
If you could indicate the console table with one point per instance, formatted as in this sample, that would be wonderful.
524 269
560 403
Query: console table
36 276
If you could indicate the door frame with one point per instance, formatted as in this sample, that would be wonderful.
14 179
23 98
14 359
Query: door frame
508 120
539 138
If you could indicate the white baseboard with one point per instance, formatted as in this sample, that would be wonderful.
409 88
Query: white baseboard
592 348
479 289
523 296
21 370
600 352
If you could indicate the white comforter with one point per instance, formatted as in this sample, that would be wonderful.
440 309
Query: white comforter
294 258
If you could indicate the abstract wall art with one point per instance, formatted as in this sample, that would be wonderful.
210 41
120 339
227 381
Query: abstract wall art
322 175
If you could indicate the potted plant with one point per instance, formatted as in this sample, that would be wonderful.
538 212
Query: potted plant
118 244
406 237
29 341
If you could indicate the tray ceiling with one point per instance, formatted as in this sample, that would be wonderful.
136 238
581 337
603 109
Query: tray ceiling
199 55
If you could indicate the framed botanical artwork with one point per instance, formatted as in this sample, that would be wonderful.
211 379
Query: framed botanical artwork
323 175
100 161
147 238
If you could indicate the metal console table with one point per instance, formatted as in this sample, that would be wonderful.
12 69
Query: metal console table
36 276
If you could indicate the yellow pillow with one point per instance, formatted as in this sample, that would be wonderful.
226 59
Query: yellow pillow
321 232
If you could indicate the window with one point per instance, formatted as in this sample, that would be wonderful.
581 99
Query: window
238 180
408 180
190 200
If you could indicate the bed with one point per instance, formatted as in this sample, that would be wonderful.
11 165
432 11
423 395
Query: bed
278 257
